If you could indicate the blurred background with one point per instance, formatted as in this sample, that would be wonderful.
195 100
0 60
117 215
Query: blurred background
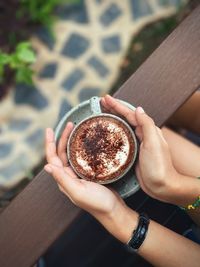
55 54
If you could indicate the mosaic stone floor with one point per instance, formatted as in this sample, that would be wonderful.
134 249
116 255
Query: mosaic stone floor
91 39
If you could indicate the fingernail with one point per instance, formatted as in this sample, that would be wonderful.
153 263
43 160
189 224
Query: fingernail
48 168
140 110
108 95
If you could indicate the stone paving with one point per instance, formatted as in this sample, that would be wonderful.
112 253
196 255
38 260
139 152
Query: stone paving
91 39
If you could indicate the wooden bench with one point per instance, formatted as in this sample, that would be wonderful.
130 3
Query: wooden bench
40 213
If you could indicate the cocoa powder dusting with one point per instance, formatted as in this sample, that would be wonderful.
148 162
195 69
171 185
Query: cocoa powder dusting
100 143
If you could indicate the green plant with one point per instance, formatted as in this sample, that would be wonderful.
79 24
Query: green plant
26 15
41 11
19 62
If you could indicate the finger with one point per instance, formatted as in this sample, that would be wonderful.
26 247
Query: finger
103 103
62 144
106 107
50 148
138 132
121 109
149 132
71 185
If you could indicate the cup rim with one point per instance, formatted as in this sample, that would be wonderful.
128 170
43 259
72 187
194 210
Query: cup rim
134 154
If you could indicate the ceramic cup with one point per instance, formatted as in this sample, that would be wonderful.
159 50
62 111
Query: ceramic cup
96 112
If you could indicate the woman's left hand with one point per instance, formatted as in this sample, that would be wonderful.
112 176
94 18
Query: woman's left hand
155 171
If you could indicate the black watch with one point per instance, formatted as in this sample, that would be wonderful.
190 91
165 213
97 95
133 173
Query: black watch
139 233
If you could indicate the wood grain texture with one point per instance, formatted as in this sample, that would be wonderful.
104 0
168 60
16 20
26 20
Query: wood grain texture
28 225
40 213
170 75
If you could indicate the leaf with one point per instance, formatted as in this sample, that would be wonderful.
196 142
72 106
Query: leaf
23 45
25 53
15 62
24 75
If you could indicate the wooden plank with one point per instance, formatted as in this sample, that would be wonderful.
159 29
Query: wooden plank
170 75
40 213
28 225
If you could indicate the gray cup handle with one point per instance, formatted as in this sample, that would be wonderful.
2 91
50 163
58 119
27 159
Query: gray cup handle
95 105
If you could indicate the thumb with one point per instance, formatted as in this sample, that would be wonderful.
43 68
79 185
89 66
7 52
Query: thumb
147 125
63 178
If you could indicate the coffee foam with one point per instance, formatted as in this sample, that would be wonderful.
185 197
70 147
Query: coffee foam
120 157
101 148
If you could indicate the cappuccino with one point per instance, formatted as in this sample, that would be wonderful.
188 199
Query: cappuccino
101 148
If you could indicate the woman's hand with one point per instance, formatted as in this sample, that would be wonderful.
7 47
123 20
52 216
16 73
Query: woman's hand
155 171
100 201
92 197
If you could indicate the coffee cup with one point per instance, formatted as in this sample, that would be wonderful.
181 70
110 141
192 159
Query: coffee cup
103 147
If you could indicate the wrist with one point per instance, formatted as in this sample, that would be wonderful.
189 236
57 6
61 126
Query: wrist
185 190
167 190
120 222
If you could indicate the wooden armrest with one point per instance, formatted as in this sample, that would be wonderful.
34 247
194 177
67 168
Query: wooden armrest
40 213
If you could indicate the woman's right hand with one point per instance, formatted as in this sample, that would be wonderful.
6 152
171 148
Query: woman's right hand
155 171
100 201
